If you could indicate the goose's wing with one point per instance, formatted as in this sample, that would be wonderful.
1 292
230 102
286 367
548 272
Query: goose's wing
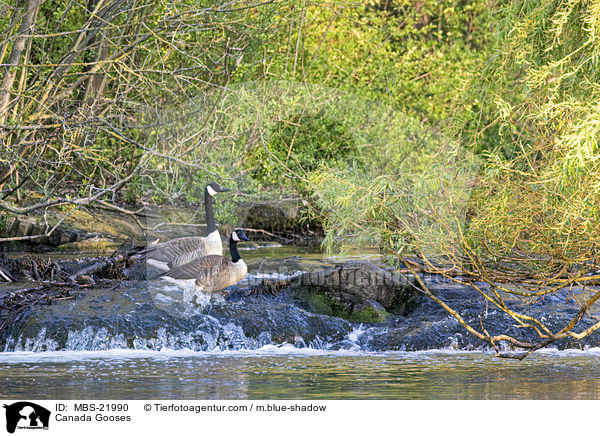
205 266
176 251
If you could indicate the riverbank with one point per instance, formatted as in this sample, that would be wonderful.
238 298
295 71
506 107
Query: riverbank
101 231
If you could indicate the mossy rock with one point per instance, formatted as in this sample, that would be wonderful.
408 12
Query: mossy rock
356 291
274 216
320 303
98 246
372 312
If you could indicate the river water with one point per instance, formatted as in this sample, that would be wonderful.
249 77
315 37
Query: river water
129 343
287 373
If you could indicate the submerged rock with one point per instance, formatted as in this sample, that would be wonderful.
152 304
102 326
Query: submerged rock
369 311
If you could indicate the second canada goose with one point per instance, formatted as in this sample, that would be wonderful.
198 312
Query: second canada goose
211 273
176 252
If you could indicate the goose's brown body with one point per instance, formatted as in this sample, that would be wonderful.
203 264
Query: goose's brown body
211 273
208 273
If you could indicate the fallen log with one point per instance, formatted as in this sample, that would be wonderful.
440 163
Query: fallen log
101 265
6 276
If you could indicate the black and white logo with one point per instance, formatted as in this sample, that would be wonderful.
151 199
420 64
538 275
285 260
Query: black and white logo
26 415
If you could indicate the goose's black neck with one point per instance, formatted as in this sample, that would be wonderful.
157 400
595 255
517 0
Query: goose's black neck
235 256
210 215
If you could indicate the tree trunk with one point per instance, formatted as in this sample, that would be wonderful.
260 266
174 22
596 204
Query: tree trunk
15 55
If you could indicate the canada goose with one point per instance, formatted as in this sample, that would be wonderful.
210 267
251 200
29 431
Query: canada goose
180 251
211 273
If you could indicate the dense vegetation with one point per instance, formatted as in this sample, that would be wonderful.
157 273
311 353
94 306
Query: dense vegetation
512 194
517 173
169 96
461 135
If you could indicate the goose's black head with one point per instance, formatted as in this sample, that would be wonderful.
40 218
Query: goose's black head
213 188
238 235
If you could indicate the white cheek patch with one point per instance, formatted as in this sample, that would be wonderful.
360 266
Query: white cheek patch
234 236
211 191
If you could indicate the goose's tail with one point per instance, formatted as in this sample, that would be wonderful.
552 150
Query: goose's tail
140 252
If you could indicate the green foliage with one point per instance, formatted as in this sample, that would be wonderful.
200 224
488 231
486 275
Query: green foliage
4 218
262 98
541 100
532 113
404 55
103 81
422 209
302 142
358 59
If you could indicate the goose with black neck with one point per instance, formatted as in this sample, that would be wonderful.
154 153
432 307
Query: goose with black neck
211 273
180 251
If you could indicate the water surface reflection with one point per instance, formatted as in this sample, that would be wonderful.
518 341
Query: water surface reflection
255 375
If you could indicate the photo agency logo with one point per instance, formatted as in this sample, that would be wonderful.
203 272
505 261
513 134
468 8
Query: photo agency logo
26 415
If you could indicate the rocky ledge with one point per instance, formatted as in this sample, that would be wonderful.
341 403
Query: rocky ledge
357 291
352 305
